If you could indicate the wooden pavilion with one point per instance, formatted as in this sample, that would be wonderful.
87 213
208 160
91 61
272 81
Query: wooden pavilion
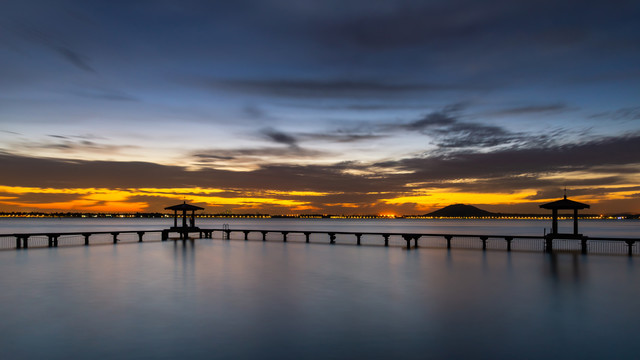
564 204
185 228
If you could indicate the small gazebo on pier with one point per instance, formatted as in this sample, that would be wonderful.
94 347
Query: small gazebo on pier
564 204
185 227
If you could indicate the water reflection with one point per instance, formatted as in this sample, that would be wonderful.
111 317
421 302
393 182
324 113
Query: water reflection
234 299
566 267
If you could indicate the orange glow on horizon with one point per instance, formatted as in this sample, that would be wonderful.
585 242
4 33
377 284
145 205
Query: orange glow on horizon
427 199
152 199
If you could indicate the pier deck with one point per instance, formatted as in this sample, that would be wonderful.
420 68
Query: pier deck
548 243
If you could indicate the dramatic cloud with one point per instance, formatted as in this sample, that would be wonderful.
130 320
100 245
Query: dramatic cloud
450 132
528 174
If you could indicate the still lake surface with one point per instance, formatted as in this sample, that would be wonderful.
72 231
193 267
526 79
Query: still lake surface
271 300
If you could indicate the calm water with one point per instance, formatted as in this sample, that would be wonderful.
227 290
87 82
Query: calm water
234 299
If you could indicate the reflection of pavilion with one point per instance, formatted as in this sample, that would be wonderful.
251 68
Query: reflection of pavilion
564 204
185 228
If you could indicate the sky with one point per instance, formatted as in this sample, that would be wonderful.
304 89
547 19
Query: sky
331 107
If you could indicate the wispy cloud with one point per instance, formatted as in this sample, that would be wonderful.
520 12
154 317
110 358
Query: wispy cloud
104 94
308 88
279 137
532 109
625 114
75 58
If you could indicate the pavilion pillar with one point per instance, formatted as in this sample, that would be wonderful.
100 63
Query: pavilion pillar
175 218
184 218
575 221
554 221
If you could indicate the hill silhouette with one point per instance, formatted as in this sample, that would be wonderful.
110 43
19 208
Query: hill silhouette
460 210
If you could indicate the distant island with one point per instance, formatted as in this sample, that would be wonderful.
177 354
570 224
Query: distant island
461 210
456 211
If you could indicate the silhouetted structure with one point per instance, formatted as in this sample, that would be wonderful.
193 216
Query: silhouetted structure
564 204
185 229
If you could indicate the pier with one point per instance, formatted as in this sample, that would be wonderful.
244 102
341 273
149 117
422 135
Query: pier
404 240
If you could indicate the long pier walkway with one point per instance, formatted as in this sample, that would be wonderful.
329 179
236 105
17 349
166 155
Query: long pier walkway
599 245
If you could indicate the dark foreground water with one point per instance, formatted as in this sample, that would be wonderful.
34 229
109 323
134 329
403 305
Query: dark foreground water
214 299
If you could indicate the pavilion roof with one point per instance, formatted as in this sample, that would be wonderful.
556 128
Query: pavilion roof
565 204
183 206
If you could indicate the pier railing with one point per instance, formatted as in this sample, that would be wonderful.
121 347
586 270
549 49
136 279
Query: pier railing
593 245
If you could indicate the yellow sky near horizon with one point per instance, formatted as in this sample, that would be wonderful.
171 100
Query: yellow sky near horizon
16 198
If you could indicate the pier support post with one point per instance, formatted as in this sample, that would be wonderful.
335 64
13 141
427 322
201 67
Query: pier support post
284 236
141 234
386 239
415 238
448 237
228 234
86 238
407 238
484 242
246 235
508 239
165 235
548 244
25 242
50 240
306 237
264 235
358 236
630 246
583 245
18 242
115 237
332 238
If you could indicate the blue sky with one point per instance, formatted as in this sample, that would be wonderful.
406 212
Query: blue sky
351 105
